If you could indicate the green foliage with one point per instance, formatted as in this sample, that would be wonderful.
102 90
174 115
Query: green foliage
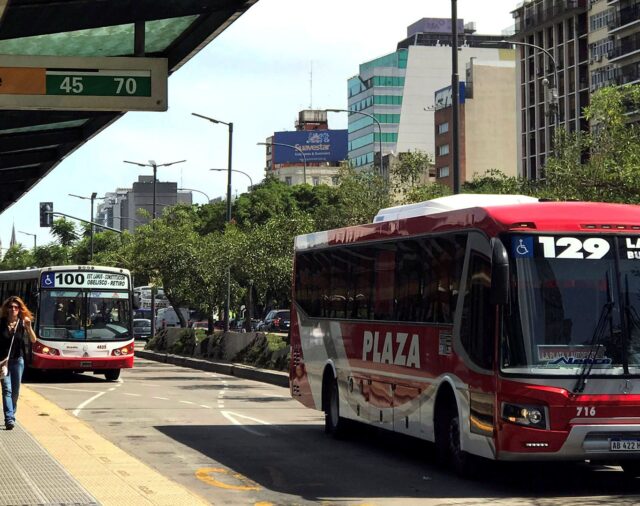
603 164
64 231
16 258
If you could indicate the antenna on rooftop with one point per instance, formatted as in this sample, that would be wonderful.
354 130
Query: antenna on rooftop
311 86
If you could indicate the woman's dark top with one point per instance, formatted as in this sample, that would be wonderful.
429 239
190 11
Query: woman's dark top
18 349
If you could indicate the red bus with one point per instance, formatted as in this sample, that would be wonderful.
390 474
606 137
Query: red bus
494 326
83 317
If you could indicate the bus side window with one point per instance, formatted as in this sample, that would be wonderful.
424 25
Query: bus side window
385 267
478 315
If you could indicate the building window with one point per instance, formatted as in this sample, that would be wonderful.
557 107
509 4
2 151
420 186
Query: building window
287 180
315 180
443 150
443 128
443 171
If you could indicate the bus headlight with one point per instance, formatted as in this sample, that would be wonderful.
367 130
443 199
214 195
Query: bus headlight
528 415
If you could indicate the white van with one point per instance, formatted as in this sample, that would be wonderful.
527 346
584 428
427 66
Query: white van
167 317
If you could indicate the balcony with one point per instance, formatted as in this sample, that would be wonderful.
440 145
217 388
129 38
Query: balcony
625 17
627 47
532 16
628 74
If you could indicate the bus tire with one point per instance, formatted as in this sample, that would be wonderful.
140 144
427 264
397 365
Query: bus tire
334 424
447 429
112 374
631 468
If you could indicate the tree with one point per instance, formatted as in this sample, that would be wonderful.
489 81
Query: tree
64 231
16 258
604 163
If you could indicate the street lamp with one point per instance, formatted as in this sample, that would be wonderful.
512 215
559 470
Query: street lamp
34 238
92 199
227 304
236 170
155 166
199 191
553 101
377 122
297 148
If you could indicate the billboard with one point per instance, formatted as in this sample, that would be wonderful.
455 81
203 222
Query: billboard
317 145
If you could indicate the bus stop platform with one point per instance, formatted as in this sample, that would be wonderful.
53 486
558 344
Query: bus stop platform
53 458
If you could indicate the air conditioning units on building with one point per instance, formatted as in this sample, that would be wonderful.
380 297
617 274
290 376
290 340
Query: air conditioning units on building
599 57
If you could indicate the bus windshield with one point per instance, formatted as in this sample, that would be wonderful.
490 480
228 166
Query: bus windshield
574 303
84 315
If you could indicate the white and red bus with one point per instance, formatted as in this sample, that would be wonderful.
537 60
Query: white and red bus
82 316
495 326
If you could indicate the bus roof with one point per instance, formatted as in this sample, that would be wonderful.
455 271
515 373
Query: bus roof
492 216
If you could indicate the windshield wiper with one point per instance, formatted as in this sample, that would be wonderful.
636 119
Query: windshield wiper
598 333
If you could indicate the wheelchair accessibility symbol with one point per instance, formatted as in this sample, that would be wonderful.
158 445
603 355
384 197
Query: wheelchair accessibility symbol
48 280
522 247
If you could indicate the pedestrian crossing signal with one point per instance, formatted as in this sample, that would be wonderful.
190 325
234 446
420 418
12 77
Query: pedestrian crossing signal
46 218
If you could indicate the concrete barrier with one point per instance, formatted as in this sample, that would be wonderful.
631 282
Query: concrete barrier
278 378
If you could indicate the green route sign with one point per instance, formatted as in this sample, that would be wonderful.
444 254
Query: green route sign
74 83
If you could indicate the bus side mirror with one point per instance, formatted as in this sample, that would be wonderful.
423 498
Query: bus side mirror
499 273
136 301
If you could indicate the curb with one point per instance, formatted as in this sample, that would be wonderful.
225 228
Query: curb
243 371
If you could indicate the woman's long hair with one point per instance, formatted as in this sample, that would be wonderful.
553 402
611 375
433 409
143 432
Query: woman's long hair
22 313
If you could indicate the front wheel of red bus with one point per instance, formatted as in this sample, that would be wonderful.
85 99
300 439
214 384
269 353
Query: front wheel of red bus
447 426
334 424
112 374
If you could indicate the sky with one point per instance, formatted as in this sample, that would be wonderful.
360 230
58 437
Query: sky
280 57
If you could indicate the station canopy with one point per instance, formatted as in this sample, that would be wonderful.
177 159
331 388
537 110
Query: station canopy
33 142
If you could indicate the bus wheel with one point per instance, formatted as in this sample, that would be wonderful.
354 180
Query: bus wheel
333 423
448 444
112 374
631 467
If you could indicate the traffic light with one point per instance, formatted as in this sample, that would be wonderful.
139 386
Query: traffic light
46 218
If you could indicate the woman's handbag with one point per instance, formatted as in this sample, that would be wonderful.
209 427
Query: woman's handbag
4 364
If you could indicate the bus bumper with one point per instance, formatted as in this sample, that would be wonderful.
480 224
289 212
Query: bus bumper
581 442
81 363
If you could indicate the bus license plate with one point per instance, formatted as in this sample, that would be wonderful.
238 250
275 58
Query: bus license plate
85 364
625 445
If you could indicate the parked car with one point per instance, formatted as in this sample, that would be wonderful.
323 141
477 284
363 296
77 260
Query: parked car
277 320
167 317
141 328
204 324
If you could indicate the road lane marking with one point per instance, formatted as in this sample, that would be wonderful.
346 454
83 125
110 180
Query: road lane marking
133 395
231 418
205 474
205 406
187 402
161 398
83 405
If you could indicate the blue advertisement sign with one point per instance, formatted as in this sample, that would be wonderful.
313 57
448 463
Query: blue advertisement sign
444 97
317 145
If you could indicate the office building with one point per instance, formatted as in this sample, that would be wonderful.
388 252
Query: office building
593 43
391 97
121 208
487 121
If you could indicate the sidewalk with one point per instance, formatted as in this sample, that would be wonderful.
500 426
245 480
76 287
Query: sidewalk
52 457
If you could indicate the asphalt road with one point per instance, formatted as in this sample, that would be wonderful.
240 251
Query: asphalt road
239 442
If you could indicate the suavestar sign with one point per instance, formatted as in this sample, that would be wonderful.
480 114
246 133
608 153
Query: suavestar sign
317 146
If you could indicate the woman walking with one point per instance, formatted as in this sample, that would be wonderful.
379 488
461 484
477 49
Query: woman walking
15 324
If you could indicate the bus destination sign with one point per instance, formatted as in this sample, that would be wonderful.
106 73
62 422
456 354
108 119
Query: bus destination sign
84 279
75 83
